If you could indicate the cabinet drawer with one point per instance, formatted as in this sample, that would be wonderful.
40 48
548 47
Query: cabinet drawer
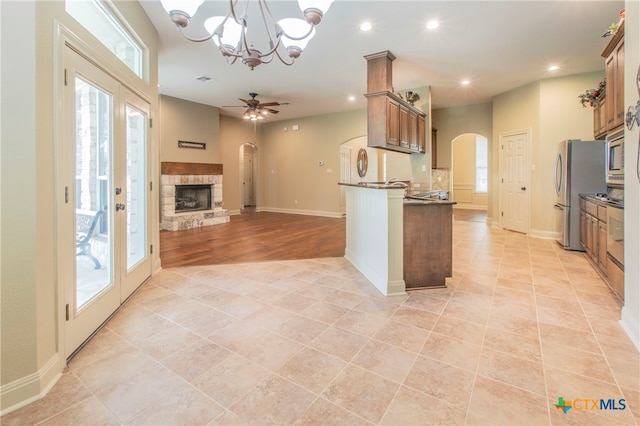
602 213
583 204
592 209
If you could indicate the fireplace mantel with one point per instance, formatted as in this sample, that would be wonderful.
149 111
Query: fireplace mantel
169 168
173 174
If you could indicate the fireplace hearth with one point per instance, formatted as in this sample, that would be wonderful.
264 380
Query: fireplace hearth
191 196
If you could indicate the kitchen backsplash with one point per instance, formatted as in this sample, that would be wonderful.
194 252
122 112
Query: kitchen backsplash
440 179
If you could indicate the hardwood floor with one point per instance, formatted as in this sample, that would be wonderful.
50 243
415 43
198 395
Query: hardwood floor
251 237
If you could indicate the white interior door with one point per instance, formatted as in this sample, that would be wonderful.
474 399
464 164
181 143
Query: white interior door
515 181
103 204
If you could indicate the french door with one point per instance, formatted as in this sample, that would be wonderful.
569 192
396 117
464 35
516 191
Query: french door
103 184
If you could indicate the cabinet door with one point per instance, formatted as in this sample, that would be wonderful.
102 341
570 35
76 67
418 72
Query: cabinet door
610 73
421 134
405 133
602 246
583 229
413 131
593 234
393 122
619 84
434 147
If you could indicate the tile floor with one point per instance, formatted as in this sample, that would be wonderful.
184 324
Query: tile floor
521 324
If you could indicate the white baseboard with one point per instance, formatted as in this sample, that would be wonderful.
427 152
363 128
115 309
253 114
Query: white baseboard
32 387
469 207
336 215
547 235
630 326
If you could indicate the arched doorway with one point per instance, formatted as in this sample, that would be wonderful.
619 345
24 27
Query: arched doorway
469 178
248 159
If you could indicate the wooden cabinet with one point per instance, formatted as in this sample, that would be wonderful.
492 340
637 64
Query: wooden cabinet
405 130
434 148
422 125
427 244
614 72
599 118
593 232
394 124
602 246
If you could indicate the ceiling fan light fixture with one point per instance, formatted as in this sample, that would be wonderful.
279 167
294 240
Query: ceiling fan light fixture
229 32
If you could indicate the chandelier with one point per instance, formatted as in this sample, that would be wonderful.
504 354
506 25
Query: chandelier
229 32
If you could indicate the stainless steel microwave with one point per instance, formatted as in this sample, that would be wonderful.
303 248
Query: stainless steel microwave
615 159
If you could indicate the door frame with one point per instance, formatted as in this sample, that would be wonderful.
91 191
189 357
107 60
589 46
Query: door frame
66 39
501 137
256 173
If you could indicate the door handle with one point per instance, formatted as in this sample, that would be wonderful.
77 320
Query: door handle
119 206
524 188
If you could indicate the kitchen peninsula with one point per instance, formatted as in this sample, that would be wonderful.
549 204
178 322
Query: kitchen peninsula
398 243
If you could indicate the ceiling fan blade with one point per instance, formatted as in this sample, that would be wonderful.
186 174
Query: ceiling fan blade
244 100
268 104
233 106
271 111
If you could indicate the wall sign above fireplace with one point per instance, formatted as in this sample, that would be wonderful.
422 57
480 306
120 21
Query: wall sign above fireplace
192 145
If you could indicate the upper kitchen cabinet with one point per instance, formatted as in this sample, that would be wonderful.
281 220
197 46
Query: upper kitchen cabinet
614 72
392 123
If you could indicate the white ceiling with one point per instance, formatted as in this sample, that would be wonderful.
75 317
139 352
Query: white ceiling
498 45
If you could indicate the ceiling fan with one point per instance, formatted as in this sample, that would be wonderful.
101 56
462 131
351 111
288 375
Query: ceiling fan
256 109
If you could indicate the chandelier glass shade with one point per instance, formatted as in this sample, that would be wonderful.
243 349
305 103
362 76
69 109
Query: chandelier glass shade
229 32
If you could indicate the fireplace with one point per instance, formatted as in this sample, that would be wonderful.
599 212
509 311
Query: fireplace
191 196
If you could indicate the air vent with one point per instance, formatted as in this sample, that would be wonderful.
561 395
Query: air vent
205 79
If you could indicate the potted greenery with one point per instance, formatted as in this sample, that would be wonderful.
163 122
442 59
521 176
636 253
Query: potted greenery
591 97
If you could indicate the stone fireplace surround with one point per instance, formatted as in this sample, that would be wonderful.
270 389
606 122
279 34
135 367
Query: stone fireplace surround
173 174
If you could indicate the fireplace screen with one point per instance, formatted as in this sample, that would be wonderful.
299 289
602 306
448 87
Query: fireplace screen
193 197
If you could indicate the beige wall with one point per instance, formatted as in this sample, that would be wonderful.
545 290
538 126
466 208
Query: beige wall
182 120
233 134
289 162
550 110
455 121
30 343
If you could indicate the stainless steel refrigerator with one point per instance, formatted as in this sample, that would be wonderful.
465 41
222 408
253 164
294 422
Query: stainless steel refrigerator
580 169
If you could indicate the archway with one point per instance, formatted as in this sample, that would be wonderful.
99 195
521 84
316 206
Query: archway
469 179
248 175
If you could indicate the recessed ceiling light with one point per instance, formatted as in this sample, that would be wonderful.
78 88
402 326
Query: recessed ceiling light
553 68
432 25
465 82
352 98
365 26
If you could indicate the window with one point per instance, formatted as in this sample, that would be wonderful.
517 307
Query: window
101 22
482 165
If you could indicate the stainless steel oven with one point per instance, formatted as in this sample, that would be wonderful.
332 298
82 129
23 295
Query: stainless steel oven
615 233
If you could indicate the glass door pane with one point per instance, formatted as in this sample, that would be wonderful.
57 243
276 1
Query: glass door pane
136 186
93 220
